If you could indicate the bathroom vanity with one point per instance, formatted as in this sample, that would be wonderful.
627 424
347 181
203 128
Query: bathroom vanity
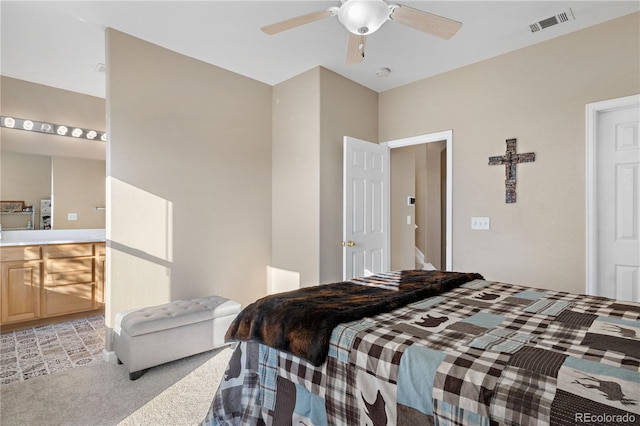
50 273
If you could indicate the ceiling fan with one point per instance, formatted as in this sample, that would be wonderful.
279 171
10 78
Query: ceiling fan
363 17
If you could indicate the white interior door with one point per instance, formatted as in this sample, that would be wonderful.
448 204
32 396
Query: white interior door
618 203
366 208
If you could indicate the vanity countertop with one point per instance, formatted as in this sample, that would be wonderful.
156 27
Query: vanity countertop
58 236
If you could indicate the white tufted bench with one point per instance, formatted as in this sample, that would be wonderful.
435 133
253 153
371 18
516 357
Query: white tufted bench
151 336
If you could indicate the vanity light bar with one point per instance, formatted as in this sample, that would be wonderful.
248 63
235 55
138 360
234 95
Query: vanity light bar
52 129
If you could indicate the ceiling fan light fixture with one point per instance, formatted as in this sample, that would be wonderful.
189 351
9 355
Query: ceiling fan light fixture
363 17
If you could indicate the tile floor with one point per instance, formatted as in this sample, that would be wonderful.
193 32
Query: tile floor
51 348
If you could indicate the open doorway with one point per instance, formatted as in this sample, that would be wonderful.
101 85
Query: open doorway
447 227
375 210
418 206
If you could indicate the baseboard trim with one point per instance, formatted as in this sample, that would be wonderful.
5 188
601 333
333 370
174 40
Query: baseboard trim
109 356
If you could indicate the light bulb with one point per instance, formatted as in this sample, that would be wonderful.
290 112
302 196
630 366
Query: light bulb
363 16
76 133
62 130
9 122
27 124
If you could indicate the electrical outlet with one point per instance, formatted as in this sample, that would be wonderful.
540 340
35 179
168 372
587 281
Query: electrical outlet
72 216
482 223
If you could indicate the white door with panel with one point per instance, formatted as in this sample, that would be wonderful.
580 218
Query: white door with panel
618 203
366 208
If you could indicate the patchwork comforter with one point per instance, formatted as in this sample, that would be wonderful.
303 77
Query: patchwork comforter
301 321
482 353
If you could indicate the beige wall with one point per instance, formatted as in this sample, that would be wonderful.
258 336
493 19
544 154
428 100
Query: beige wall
311 114
537 95
78 187
421 196
403 185
434 209
295 182
189 178
346 109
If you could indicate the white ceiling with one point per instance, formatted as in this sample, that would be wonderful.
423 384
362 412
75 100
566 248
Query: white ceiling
60 43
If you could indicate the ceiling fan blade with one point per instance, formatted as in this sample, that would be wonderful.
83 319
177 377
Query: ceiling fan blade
426 22
297 21
355 50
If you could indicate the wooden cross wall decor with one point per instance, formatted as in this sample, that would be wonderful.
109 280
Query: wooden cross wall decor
510 159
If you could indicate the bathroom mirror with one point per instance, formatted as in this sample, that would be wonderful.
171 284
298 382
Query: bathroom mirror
35 166
75 186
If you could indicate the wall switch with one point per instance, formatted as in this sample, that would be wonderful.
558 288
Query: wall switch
72 216
480 223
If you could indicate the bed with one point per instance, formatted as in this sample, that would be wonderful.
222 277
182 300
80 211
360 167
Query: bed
451 348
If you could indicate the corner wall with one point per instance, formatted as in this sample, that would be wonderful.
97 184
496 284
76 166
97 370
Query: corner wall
537 95
312 112
346 109
188 178
295 182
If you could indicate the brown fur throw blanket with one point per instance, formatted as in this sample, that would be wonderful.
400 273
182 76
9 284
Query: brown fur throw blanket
301 321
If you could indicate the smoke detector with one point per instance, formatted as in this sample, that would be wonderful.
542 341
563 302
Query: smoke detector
552 20
383 72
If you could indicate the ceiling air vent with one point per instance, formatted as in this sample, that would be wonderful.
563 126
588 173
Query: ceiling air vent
551 21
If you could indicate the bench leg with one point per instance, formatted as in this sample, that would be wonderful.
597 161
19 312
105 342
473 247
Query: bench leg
136 374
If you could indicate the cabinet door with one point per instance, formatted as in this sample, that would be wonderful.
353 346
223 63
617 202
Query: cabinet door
67 299
100 282
21 284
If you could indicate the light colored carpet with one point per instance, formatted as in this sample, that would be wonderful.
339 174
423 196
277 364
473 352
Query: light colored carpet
101 394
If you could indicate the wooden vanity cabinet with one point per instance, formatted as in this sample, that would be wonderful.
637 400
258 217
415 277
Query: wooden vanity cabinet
21 283
100 259
50 280
70 278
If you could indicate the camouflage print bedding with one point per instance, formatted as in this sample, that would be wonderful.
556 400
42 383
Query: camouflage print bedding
484 353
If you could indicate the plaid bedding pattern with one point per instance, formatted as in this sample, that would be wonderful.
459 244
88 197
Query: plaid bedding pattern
483 353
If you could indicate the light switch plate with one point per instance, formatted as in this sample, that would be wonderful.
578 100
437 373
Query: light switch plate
72 216
482 223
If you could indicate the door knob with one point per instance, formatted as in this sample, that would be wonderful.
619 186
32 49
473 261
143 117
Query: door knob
350 243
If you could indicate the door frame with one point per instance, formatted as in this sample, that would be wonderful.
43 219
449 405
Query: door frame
593 110
447 136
